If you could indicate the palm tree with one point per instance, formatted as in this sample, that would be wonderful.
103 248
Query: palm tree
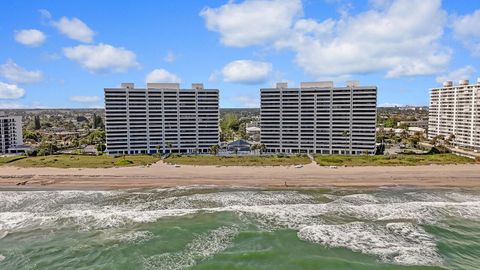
158 148
254 147
414 140
262 148
450 139
214 149
169 146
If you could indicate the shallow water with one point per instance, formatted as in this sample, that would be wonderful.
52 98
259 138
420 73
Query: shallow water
210 228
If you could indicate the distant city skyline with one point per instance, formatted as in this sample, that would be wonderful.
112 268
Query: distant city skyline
59 54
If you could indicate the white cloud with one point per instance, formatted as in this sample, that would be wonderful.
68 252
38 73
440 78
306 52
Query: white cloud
246 101
45 14
85 99
467 29
14 73
379 3
459 74
170 57
253 21
388 104
74 29
102 57
46 56
214 76
246 72
162 76
397 38
17 105
11 105
30 37
10 91
401 39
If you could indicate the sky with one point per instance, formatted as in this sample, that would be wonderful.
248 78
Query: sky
62 54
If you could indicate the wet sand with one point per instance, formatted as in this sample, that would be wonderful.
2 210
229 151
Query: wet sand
311 175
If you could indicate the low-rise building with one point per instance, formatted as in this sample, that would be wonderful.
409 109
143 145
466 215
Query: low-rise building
253 133
239 145
420 124
416 130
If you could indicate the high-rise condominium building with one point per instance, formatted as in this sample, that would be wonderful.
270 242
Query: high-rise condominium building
319 118
11 135
161 118
455 110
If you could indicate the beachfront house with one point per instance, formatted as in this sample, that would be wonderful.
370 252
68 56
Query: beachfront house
239 146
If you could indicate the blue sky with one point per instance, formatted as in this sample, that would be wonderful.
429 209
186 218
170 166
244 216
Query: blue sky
63 53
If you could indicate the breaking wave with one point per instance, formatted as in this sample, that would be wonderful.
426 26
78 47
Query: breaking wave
388 225
400 242
202 247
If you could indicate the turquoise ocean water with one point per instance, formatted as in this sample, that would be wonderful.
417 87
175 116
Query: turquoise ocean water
211 228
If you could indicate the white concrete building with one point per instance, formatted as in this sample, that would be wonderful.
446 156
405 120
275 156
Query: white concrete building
319 118
455 110
161 118
11 135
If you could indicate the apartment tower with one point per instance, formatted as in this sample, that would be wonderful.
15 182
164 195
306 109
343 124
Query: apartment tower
11 135
455 110
319 118
161 118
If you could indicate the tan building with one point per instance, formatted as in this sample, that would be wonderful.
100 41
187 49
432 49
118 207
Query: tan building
455 110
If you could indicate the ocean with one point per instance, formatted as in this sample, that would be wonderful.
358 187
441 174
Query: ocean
240 228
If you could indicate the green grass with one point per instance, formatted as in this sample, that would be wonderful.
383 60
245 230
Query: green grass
6 160
78 161
238 160
399 160
123 162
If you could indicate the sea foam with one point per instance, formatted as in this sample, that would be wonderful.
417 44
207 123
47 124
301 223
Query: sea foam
385 224
202 247
402 243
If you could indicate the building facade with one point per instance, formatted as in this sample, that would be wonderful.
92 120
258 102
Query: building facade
455 110
161 118
319 118
11 135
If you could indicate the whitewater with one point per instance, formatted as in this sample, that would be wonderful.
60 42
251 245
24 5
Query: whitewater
240 228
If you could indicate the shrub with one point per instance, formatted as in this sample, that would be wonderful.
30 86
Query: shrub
123 162
31 153
78 152
439 150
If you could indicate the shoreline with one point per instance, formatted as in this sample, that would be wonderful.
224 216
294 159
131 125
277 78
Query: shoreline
160 175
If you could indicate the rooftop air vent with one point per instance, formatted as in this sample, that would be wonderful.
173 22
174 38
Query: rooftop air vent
463 82
447 84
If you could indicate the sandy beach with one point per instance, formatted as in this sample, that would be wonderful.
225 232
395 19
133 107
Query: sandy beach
311 175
